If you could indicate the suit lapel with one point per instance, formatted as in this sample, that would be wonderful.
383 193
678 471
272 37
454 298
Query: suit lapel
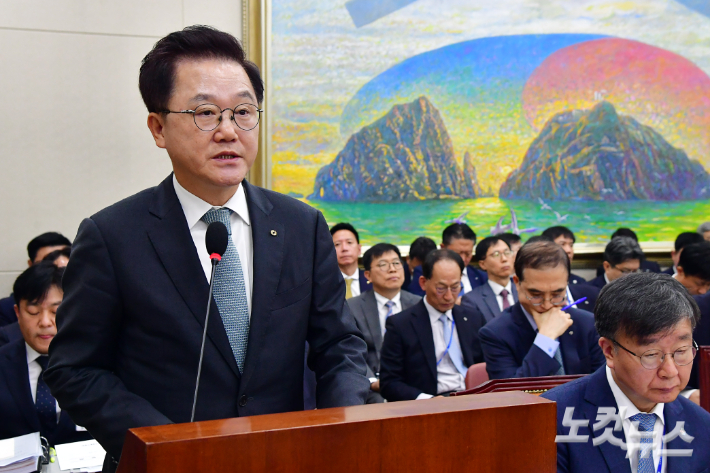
491 301
673 413
422 327
268 240
568 348
515 293
21 390
526 334
173 243
463 329
372 318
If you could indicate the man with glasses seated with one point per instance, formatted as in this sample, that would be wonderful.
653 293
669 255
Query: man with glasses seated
535 337
622 256
646 326
498 293
428 348
371 309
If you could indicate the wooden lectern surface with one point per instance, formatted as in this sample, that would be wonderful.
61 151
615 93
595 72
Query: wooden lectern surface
497 432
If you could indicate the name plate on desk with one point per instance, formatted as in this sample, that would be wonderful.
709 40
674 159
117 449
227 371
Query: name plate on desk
499 432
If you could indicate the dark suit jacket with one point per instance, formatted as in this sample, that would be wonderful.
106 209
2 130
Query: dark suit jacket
585 290
586 395
509 349
414 286
574 279
701 335
17 409
7 311
10 333
669 271
598 282
130 325
364 283
408 360
483 300
476 277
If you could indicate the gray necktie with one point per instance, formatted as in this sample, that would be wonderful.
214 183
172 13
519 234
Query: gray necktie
558 357
646 423
230 292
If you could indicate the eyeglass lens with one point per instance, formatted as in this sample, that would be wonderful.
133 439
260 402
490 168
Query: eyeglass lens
209 116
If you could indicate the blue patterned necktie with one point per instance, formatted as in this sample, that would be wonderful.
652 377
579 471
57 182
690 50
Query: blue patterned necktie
646 423
454 349
558 357
230 292
45 404
390 309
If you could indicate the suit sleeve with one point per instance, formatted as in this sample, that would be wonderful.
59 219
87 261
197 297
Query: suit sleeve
354 309
81 363
392 356
337 354
501 363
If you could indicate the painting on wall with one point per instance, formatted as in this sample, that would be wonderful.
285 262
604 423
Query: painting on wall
401 115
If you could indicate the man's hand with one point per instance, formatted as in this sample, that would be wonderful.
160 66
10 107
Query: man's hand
695 397
375 386
552 323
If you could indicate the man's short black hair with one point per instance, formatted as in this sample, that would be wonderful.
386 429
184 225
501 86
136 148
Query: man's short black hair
555 232
376 251
157 75
421 247
46 239
695 260
457 231
538 239
625 232
622 249
643 305
539 255
66 251
485 244
440 255
345 226
687 238
34 282
510 238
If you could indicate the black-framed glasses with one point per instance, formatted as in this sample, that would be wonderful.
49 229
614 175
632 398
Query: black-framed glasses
208 116
652 359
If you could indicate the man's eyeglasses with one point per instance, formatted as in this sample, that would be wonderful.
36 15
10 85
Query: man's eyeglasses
208 116
626 271
498 254
385 266
554 300
653 359
441 290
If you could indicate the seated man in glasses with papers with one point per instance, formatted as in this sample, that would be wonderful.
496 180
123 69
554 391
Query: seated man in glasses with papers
428 348
26 405
535 337
628 415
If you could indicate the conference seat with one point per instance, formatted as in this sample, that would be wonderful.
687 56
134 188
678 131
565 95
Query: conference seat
476 375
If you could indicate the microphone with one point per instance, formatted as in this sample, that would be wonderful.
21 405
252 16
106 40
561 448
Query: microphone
216 241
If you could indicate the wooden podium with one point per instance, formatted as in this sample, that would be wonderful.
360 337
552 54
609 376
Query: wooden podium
499 432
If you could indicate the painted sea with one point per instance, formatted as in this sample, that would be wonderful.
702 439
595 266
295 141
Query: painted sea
592 222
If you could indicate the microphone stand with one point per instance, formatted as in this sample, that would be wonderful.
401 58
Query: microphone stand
214 258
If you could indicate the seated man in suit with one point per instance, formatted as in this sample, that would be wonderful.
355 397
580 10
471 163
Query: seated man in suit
428 348
622 256
460 238
564 237
693 270
39 247
498 293
646 326
682 240
371 309
26 405
645 266
535 337
347 250
418 251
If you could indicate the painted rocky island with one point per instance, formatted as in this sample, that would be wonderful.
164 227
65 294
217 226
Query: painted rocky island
407 155
598 154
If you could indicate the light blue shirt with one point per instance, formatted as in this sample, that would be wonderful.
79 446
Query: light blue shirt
543 342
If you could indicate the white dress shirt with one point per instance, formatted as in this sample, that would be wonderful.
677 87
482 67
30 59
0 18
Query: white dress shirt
35 371
448 377
497 288
466 283
195 208
570 299
355 283
382 310
627 409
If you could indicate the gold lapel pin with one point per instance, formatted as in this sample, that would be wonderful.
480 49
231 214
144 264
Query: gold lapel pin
273 233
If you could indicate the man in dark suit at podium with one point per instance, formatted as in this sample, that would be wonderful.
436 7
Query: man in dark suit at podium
136 288
646 325
535 337
428 348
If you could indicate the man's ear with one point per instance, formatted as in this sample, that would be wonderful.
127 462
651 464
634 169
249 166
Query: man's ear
606 266
17 311
608 350
422 282
442 246
367 275
156 125
681 273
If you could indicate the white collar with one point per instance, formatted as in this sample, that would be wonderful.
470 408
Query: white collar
434 314
606 278
382 300
623 403
355 275
32 354
195 208
497 287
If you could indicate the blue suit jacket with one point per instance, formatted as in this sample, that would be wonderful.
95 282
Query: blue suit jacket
414 286
483 300
130 325
509 349
585 290
17 409
668 271
589 393
7 311
364 283
598 282
10 333
574 279
408 357
701 335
